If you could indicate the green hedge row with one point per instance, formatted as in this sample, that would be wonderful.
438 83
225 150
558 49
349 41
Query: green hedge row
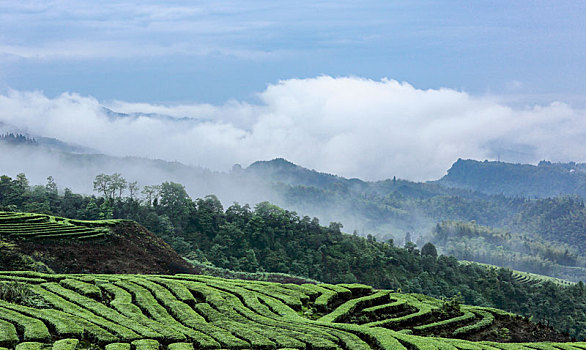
133 312
146 301
486 320
343 312
32 329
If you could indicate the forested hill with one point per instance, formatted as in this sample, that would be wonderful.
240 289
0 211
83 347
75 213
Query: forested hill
535 181
267 238
281 170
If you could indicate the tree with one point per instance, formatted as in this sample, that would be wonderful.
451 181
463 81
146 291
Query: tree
22 182
151 193
118 184
407 237
429 249
175 202
103 184
106 211
132 189
91 210
51 186
411 247
210 213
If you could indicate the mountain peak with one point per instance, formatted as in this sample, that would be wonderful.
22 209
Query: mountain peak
274 163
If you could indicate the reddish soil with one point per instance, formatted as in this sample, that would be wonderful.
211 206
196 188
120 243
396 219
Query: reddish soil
129 249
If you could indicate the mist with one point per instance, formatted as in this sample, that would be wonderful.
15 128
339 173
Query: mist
348 126
78 171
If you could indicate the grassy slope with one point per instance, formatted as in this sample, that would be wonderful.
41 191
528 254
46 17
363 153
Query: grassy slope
183 310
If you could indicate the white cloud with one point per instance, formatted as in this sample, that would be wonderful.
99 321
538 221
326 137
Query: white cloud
349 126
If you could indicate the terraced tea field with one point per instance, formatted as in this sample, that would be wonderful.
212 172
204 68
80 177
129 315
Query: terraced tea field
180 312
527 277
40 226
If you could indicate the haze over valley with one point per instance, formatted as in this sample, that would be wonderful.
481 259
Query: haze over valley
329 175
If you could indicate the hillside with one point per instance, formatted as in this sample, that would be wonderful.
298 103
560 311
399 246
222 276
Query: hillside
44 242
271 239
545 235
470 241
189 311
387 209
281 170
544 180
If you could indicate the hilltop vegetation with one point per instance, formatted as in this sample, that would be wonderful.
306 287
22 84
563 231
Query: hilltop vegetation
270 239
545 235
544 180
187 311
390 209
470 241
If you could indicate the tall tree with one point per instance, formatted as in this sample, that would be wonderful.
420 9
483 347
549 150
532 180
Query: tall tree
51 186
133 189
175 201
118 184
103 184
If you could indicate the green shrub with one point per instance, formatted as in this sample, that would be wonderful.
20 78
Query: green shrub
8 336
29 346
146 344
15 292
180 346
118 346
65 344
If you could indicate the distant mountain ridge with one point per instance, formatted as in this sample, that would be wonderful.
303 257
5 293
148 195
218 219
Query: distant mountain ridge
546 179
282 170
395 209
49 143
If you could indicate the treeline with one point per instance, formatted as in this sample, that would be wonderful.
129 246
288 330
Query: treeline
17 139
393 208
269 238
473 242
547 179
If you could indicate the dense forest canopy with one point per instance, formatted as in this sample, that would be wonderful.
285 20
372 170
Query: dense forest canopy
546 179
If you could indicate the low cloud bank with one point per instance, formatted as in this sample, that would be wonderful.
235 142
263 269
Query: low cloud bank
348 126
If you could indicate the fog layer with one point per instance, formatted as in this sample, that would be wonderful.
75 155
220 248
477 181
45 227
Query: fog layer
349 126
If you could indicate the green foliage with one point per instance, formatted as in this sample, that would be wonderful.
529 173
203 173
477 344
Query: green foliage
8 336
15 292
470 241
118 346
268 239
429 249
486 320
66 344
451 307
39 226
33 329
545 180
233 314
29 346
145 344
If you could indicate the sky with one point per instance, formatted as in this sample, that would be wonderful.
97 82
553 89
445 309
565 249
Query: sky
369 89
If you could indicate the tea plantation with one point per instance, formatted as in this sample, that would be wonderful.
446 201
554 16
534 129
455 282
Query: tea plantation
69 311
41 226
